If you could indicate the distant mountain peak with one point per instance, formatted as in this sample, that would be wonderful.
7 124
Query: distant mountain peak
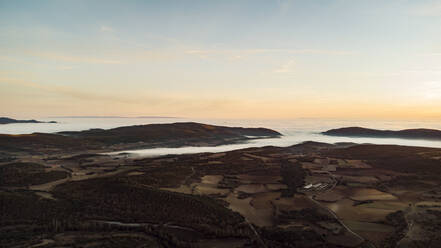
7 120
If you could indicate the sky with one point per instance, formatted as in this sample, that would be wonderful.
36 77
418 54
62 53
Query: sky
221 59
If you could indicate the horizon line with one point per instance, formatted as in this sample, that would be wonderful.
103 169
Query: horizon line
114 116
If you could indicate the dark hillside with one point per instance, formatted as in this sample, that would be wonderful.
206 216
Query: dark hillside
421 133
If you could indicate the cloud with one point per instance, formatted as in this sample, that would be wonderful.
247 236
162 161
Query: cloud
107 29
244 52
66 91
236 57
428 9
287 67
422 72
64 68
423 91
139 55
431 89
153 100
76 59
284 5
430 54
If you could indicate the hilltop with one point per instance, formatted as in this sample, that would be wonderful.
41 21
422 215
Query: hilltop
133 137
421 133
6 120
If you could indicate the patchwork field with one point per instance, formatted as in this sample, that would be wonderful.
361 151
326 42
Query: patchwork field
308 195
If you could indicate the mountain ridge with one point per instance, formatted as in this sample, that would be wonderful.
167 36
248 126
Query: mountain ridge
7 120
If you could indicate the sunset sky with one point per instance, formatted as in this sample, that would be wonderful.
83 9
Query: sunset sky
222 59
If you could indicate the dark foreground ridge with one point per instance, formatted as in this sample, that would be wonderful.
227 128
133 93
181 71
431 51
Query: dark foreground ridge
310 195
421 133
133 137
6 120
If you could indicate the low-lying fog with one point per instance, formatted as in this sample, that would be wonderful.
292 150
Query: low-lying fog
294 131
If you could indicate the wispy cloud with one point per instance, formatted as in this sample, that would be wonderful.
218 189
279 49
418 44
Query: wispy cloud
73 58
106 29
64 90
237 54
92 102
286 67
423 72
427 9
430 54
261 51
64 68
430 90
